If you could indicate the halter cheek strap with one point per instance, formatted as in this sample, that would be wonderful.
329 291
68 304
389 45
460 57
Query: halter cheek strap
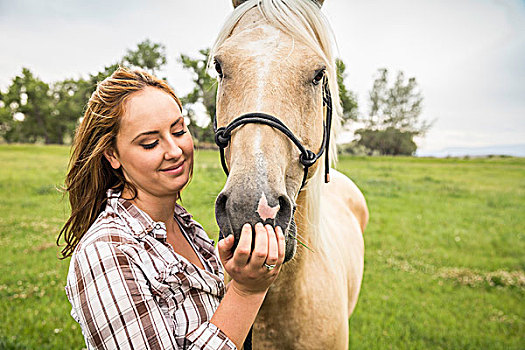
307 157
327 107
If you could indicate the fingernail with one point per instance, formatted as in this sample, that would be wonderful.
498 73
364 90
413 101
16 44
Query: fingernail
246 226
259 224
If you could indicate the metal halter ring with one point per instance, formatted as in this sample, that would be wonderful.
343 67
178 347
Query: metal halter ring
269 267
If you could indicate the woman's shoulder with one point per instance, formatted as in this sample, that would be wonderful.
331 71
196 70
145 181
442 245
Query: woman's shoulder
101 249
100 258
108 229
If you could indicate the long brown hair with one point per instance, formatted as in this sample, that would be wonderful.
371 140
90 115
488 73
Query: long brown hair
90 175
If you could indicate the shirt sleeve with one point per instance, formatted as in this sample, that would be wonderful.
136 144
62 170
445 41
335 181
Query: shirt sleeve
115 306
209 336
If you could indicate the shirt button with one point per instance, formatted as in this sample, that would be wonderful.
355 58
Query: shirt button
158 227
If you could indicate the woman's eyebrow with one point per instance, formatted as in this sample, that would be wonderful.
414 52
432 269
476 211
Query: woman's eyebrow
156 131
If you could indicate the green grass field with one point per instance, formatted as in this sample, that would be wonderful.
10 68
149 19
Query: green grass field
444 265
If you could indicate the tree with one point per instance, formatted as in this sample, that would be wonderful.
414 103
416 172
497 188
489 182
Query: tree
347 97
70 97
28 101
205 92
390 141
148 55
6 119
95 78
393 121
398 106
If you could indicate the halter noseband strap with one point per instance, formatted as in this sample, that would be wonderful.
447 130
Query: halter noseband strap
307 157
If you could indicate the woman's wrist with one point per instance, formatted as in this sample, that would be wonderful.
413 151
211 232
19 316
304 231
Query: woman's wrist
246 292
237 312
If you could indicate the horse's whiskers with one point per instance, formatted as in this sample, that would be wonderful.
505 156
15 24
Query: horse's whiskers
301 237
302 243
292 231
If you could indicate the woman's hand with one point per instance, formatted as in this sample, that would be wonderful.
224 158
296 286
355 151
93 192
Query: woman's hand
247 268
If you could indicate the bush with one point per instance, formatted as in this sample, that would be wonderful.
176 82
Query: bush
389 141
354 149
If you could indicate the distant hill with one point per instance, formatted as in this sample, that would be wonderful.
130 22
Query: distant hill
503 150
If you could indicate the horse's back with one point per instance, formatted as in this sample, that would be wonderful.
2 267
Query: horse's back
350 212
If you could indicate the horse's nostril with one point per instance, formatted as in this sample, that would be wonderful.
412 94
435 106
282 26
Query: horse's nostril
220 202
221 214
284 215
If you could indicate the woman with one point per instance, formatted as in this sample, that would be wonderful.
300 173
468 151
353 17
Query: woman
143 274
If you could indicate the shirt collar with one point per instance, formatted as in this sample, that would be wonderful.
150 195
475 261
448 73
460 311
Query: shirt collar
186 218
139 222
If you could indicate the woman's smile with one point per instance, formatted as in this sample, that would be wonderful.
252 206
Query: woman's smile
174 170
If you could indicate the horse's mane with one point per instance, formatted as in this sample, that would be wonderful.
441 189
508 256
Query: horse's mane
303 20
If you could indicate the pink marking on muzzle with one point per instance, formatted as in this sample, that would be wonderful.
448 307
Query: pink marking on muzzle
264 210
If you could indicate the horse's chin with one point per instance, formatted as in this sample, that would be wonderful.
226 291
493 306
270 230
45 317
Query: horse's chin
290 237
291 248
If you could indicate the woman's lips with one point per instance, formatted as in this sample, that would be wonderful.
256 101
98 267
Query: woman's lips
174 170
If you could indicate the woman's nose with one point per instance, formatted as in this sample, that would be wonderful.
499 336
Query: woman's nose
172 150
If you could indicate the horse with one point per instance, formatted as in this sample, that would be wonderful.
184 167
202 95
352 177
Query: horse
275 65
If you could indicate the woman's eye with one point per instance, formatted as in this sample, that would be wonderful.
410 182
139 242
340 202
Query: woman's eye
150 145
179 133
318 77
218 68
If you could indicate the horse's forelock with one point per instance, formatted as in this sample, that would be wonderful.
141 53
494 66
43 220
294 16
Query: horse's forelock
240 2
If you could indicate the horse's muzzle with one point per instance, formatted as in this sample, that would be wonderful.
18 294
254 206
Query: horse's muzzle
235 208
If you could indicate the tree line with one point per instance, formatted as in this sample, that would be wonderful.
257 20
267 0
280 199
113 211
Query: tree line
32 110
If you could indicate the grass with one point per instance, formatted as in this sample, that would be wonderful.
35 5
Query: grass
444 265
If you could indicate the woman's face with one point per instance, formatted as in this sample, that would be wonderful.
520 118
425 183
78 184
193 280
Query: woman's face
154 146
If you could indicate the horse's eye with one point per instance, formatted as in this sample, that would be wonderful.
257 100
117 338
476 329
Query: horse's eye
218 68
319 77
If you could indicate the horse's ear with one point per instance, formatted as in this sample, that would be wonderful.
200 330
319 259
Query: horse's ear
237 2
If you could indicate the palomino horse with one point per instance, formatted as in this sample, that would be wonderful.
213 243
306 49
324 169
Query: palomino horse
272 57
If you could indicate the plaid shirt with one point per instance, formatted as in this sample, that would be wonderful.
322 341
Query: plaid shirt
130 290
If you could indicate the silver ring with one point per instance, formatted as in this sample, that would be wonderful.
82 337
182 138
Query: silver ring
269 267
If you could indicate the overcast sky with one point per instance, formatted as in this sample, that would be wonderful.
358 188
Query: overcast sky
468 56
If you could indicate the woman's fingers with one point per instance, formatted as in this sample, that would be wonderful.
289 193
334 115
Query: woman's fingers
269 247
260 251
273 246
243 250
247 267
281 243
225 246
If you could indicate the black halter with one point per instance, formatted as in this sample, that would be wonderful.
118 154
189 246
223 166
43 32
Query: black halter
307 157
